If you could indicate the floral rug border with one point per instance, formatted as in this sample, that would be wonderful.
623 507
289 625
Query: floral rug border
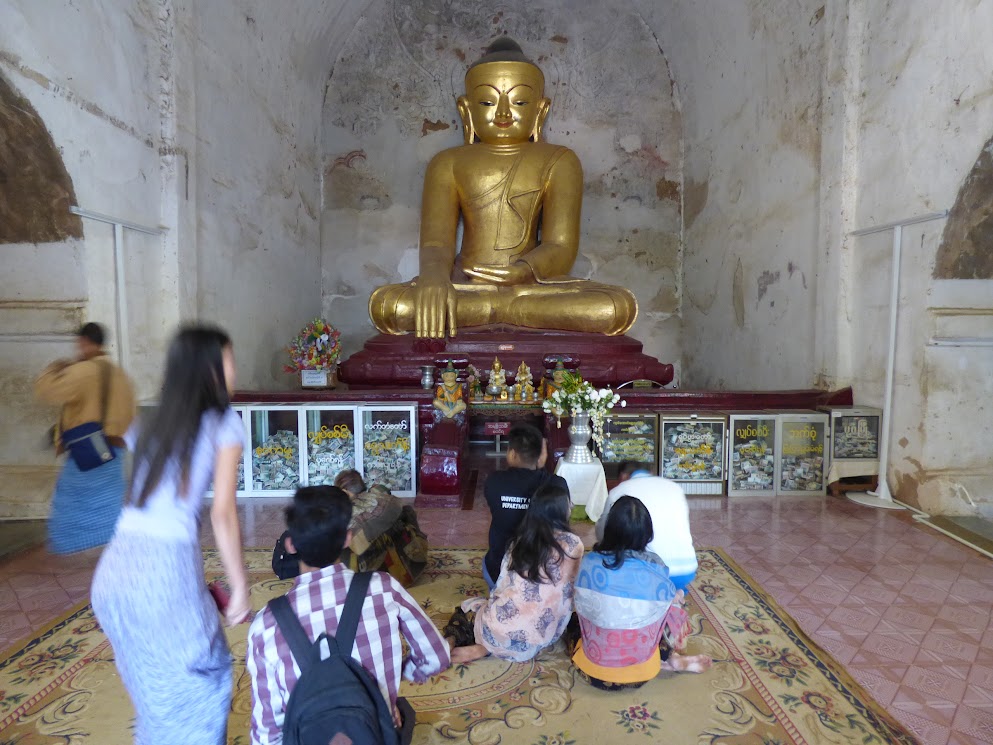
824 661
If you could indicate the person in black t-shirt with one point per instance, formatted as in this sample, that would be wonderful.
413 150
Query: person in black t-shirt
508 492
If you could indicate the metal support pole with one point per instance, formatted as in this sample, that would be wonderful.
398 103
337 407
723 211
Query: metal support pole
121 299
120 294
882 497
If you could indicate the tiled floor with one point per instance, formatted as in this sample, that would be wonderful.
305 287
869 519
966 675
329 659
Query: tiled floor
908 611
17 535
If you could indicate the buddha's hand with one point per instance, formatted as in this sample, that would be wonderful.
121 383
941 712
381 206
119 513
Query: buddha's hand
518 273
434 308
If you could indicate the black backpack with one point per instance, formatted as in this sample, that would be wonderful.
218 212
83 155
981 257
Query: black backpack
284 564
334 695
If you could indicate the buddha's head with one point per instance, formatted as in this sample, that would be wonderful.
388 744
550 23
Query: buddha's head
496 364
504 101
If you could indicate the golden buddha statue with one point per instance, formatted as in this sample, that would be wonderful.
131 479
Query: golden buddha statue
523 383
496 387
503 187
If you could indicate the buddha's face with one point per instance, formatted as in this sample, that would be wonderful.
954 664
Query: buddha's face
504 103
449 377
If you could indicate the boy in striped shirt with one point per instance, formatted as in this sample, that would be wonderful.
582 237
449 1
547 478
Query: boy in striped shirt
318 526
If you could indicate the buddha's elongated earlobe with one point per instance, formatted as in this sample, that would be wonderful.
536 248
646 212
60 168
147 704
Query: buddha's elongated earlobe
468 131
539 121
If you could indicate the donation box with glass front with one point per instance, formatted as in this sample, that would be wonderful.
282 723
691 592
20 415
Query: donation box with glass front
802 444
309 445
692 451
630 436
752 454
854 434
389 448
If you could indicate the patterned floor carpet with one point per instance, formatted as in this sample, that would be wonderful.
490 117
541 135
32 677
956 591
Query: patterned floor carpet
769 685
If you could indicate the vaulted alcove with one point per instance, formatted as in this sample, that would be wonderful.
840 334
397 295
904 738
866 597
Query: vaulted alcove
966 250
35 188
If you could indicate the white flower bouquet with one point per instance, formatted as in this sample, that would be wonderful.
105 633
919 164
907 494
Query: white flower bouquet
578 396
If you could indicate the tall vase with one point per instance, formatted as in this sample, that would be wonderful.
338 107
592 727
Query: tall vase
580 433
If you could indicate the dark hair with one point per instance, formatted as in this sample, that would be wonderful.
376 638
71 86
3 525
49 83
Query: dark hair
318 522
193 384
627 467
525 440
628 528
535 547
350 480
93 332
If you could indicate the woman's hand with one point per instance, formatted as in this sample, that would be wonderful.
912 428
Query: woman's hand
239 607
227 533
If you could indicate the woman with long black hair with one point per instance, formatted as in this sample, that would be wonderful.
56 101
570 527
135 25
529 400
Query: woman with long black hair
531 603
624 598
149 592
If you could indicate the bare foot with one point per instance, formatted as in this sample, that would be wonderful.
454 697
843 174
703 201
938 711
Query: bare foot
462 655
679 663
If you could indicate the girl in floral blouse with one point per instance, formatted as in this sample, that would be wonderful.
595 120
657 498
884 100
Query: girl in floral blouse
531 603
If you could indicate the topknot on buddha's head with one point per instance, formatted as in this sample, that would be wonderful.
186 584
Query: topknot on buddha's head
503 49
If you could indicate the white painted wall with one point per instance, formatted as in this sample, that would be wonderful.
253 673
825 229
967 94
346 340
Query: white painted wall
100 104
748 76
257 182
801 125
185 114
925 113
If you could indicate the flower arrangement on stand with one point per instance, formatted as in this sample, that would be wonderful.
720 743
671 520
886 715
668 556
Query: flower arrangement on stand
316 349
577 396
474 381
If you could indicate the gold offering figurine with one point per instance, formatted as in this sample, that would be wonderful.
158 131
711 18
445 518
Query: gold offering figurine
448 397
496 387
523 384
502 183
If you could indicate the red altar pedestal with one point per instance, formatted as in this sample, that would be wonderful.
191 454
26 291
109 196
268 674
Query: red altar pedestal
390 361
442 466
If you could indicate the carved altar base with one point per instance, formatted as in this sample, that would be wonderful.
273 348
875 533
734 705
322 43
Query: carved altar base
393 361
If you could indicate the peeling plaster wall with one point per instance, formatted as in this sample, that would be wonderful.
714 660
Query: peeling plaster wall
258 114
749 78
391 106
100 104
199 117
923 126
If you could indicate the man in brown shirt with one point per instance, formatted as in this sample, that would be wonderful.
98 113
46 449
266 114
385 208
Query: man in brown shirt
86 504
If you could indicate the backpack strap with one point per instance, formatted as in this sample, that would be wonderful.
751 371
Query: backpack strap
296 637
300 645
348 624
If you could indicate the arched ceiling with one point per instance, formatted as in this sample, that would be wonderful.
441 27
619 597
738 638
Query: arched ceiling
315 31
